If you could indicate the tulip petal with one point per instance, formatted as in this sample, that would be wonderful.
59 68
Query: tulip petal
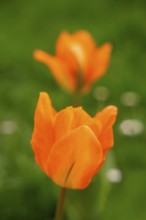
75 49
71 118
63 122
95 126
86 41
99 63
43 137
64 51
59 69
74 158
80 117
107 118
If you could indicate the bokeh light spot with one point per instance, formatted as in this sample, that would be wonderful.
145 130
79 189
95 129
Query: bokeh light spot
130 99
101 93
8 127
114 175
131 127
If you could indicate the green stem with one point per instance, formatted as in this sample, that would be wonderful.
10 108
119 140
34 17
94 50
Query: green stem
78 90
59 208
76 99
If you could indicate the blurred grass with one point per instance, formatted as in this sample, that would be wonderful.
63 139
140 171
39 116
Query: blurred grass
25 192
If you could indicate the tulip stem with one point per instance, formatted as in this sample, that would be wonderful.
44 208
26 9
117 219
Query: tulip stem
59 208
76 99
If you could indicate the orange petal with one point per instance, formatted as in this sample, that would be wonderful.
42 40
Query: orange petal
95 126
58 68
71 118
75 49
80 117
86 41
74 158
64 51
107 118
63 122
99 63
43 137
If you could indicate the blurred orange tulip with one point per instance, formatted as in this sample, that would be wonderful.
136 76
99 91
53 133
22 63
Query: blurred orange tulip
69 145
78 62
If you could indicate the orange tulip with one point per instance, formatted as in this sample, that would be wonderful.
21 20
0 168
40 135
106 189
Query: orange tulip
78 62
69 145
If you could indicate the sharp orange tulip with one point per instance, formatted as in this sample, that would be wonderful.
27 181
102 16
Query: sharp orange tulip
78 62
69 145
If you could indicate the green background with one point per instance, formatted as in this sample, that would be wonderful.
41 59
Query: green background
25 192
